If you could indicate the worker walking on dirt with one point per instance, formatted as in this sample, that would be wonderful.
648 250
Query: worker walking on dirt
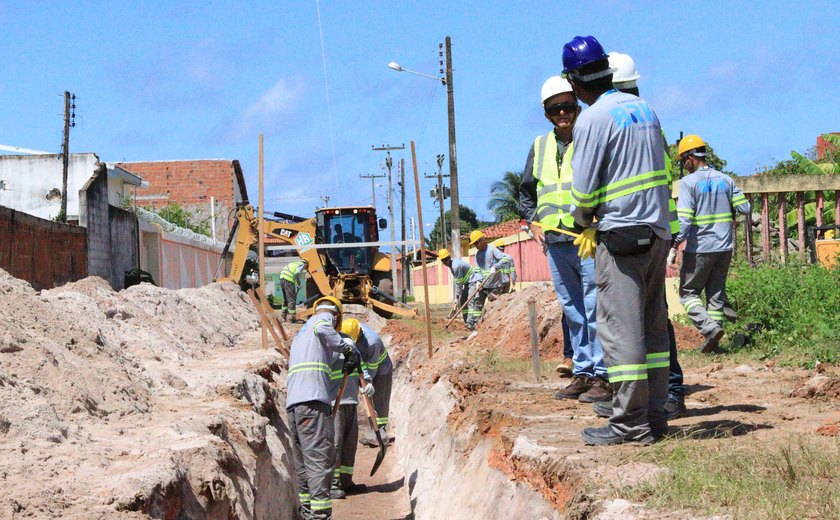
545 200
309 392
625 78
382 369
292 278
346 426
707 204
485 276
619 176
461 272
507 273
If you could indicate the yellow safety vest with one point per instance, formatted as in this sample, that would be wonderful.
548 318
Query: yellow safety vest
674 219
554 196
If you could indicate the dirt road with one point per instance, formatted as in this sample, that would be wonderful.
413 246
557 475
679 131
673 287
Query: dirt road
386 497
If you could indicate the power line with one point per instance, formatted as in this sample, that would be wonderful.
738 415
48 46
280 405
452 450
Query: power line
327 89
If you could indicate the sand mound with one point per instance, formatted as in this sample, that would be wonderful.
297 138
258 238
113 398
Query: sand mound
114 404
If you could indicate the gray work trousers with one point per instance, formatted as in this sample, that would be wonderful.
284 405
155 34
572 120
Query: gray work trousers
705 272
346 437
381 403
290 291
311 429
633 330
476 305
462 296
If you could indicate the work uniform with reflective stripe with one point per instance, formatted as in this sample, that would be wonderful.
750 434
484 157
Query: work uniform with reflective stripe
619 176
707 204
309 393
484 261
507 273
545 196
381 369
292 278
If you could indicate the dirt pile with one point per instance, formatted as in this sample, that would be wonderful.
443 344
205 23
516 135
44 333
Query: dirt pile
140 403
504 325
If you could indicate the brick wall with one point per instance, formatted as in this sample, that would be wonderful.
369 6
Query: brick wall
190 184
44 253
93 199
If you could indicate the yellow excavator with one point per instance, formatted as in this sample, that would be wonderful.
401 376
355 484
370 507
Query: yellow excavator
360 275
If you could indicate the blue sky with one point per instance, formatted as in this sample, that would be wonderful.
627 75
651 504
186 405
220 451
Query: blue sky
198 80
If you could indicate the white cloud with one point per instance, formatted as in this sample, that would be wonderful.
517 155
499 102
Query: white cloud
273 107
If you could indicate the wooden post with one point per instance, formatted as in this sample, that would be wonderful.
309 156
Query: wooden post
261 236
765 226
422 251
748 224
820 204
783 245
535 348
837 207
800 223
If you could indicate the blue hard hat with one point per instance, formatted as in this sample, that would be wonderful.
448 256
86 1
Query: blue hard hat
581 51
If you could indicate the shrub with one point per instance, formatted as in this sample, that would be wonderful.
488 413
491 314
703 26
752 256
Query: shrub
788 307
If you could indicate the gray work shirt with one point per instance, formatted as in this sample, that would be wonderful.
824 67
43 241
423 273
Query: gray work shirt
315 348
484 261
619 146
708 202
461 271
377 359
528 192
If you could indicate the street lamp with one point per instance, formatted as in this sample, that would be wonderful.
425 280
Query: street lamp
455 218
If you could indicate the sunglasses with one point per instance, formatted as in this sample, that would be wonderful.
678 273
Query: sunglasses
555 109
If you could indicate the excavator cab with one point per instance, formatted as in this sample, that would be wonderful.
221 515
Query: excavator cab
348 226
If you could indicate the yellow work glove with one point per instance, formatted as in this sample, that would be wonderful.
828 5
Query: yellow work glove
586 243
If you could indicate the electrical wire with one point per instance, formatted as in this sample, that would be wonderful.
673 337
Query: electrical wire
327 89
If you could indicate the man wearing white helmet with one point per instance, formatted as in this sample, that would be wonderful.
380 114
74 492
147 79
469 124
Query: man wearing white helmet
624 72
545 199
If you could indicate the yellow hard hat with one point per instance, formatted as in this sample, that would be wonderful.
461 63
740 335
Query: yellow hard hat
690 142
475 236
500 243
327 303
351 327
443 254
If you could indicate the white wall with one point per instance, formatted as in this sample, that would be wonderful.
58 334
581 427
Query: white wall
30 178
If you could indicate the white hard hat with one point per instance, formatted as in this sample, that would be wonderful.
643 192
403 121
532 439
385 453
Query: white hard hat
625 68
553 86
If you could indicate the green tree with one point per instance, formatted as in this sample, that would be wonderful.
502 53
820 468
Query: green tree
469 221
176 214
504 197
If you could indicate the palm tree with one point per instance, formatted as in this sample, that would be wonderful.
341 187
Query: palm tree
504 197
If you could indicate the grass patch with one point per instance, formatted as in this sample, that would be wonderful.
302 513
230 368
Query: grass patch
493 361
796 478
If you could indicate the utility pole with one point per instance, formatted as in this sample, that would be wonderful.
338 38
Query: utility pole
455 216
440 193
389 163
69 121
372 185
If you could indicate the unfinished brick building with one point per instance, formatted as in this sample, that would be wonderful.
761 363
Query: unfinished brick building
196 186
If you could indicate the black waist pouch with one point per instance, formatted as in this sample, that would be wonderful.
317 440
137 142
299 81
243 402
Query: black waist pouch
627 241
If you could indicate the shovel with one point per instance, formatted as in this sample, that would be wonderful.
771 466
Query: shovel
371 413
340 393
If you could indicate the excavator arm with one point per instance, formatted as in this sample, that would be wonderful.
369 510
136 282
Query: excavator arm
299 234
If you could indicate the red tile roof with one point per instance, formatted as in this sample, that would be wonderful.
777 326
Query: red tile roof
501 230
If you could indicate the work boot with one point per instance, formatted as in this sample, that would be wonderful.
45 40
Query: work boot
602 409
674 408
710 344
283 314
336 493
606 436
579 385
564 369
600 390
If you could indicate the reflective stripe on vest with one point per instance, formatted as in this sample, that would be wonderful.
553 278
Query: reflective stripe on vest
291 271
621 188
554 198
466 278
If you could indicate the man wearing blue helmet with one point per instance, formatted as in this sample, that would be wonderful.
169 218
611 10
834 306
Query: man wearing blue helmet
620 196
